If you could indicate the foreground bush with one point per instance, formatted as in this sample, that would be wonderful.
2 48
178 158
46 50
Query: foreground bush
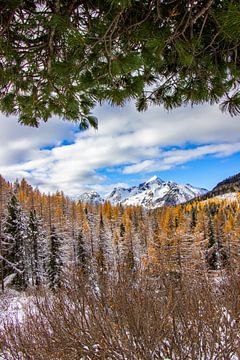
186 317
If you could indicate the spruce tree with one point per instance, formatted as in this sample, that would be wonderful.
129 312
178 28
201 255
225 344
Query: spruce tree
15 244
122 230
62 57
213 254
101 252
55 264
36 248
81 253
217 255
193 218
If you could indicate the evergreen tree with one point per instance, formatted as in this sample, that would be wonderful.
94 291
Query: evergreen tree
101 252
212 255
15 244
71 54
217 255
122 230
81 253
193 218
127 247
55 264
36 248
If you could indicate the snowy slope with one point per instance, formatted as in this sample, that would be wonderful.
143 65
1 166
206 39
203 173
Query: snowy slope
91 197
155 193
120 194
232 196
150 194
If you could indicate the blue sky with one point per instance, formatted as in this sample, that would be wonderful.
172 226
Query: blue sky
199 145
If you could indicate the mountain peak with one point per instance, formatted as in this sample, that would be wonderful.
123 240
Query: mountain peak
151 194
91 197
152 179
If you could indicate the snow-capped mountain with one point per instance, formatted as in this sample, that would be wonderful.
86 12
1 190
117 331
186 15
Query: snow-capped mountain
155 193
91 197
152 194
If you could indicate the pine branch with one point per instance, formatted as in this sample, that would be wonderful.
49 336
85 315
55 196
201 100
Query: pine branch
203 11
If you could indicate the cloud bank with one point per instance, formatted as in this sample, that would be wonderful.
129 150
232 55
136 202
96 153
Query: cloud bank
58 156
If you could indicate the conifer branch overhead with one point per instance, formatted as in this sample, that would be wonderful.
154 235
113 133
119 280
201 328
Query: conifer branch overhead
63 57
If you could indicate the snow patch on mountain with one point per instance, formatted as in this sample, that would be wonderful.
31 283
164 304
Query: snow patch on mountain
151 194
91 197
156 193
232 196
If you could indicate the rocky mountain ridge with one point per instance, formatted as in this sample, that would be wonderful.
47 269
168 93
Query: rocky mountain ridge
150 194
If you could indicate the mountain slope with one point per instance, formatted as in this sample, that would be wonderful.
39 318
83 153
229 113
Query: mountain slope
155 193
150 194
227 188
231 184
91 197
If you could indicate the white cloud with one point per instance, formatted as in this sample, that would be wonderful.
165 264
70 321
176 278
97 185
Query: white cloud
172 158
126 139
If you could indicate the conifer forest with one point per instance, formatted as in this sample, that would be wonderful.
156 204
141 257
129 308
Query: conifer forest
108 282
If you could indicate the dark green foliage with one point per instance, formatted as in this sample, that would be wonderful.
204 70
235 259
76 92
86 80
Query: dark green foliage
63 57
212 252
54 266
122 230
101 252
193 218
217 256
15 245
81 253
36 250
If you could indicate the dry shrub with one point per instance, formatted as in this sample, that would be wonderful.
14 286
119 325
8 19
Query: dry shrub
130 318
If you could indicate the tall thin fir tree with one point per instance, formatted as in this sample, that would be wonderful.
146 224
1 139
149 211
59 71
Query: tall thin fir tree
101 256
101 252
15 244
212 253
128 253
81 253
1 233
55 263
37 249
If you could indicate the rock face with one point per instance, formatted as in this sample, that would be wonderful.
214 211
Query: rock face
91 197
155 193
150 194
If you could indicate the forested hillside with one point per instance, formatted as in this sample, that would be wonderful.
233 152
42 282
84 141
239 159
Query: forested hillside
42 236
227 186
230 184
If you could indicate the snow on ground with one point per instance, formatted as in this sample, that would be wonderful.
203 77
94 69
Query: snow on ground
12 309
233 196
12 306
